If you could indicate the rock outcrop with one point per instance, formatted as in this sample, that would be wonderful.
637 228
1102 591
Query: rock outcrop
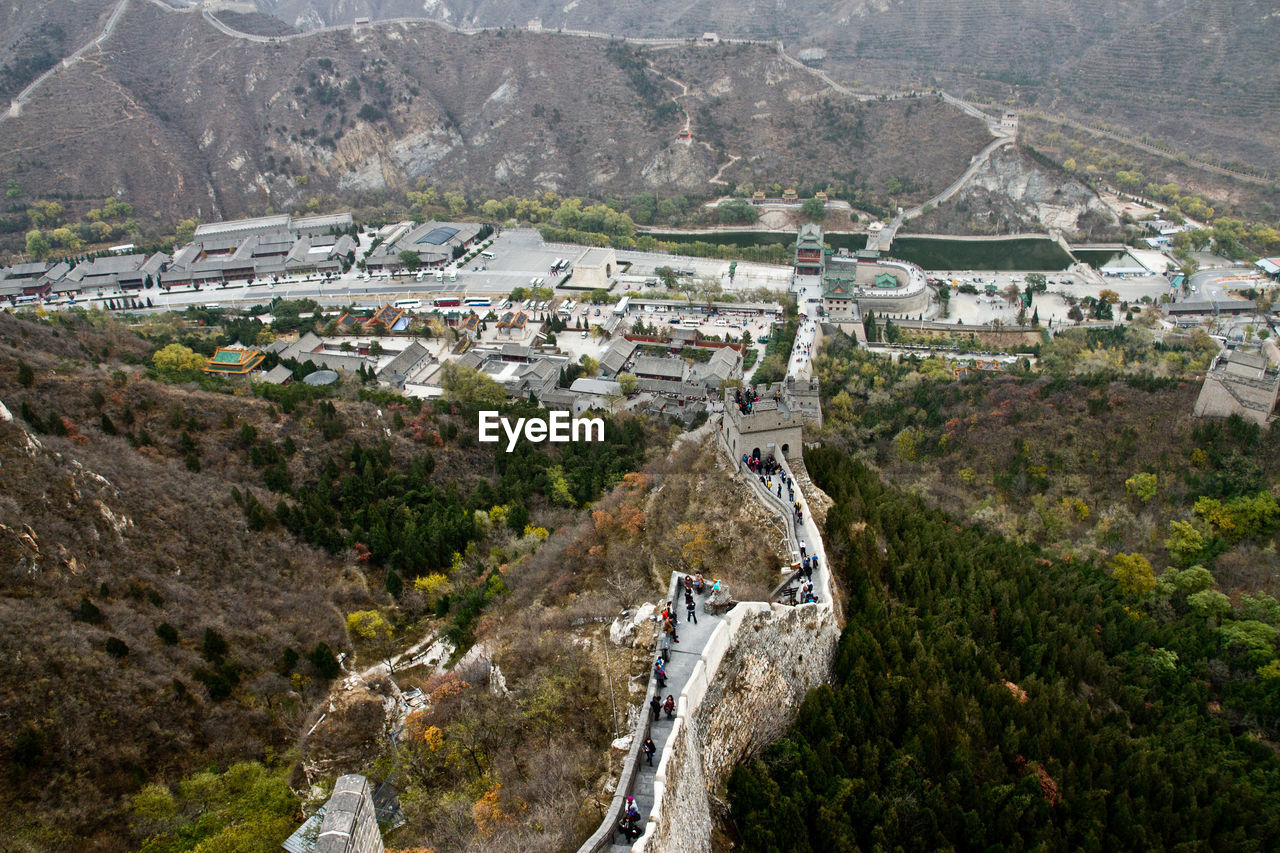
1012 194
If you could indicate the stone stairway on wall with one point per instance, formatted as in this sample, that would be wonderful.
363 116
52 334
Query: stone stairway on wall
739 678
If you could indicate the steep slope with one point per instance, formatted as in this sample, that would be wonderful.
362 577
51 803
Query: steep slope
37 35
172 559
219 126
1012 194
100 546
1177 69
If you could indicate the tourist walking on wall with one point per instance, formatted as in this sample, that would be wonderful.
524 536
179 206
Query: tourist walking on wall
692 610
670 706
656 707
629 826
649 748
660 673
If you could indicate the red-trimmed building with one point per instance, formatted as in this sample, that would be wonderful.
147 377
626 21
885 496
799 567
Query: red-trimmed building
233 362
810 258
393 319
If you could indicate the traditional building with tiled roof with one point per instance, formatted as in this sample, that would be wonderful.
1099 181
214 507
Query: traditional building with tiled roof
839 293
809 250
229 361
391 318
513 324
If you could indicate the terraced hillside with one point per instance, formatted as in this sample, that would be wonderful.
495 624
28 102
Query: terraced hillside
1197 73
214 125
35 36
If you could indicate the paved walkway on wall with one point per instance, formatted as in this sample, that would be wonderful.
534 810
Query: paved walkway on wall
684 654
693 642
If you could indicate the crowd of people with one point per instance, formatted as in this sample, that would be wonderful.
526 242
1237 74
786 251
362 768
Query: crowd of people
745 399
800 353
693 586
774 478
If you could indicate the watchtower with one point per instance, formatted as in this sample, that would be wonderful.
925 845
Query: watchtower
769 419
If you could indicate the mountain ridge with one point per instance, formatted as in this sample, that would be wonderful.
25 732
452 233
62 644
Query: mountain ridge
215 128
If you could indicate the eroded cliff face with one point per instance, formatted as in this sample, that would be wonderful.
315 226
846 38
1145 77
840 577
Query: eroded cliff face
1010 194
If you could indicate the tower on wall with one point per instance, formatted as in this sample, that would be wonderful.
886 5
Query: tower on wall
350 820
773 423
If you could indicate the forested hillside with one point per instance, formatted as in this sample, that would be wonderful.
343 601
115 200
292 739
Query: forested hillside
180 557
1094 455
185 559
986 697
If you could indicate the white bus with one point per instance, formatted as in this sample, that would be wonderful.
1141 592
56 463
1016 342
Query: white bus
488 256
408 303
478 302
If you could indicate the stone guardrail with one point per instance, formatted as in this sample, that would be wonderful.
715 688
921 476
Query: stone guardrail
603 837
689 702
669 771
668 778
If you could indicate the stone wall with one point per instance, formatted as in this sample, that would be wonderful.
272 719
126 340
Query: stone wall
1223 395
767 425
893 302
350 821
745 690
789 437
754 673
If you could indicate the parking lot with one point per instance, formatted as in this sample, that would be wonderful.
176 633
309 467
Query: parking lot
986 307
747 276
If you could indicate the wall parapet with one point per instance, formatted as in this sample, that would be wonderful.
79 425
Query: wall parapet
754 670
603 837
743 693
762 656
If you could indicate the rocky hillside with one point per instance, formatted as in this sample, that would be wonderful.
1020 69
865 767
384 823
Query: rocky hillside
182 560
1012 193
218 126
1198 74
35 36
143 623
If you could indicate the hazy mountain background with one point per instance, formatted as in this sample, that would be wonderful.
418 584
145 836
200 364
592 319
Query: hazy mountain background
1198 73
184 120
